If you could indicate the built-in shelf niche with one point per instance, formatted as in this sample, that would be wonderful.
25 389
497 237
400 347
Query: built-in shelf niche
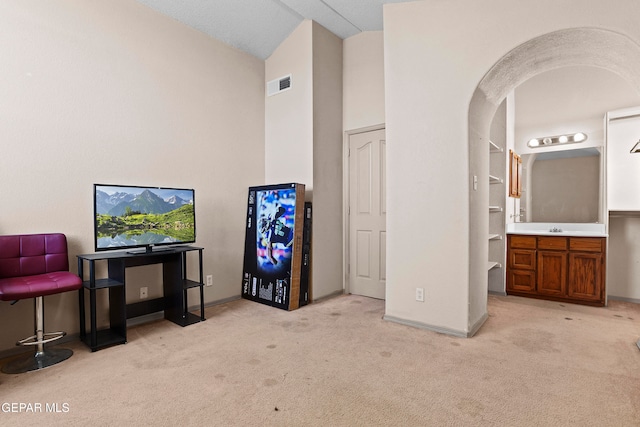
497 201
493 148
495 180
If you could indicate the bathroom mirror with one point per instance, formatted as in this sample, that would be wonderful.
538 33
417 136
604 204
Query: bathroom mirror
562 186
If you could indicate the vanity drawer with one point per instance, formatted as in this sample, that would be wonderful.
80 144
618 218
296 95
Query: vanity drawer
522 259
524 242
553 243
586 244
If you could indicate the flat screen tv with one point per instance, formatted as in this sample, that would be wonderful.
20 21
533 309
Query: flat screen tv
127 217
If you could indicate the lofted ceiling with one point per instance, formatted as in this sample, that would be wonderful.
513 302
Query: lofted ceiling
259 26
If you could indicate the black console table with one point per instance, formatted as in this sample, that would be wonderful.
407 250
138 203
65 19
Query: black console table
173 302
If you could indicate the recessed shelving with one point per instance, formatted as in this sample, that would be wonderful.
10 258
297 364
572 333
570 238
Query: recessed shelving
495 180
494 148
498 176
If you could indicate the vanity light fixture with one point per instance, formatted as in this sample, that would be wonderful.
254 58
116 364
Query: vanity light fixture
561 139
579 137
636 148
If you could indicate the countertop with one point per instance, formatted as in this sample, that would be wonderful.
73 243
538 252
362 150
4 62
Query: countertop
565 229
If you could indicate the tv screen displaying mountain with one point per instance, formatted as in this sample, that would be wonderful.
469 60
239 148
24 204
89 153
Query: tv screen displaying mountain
130 217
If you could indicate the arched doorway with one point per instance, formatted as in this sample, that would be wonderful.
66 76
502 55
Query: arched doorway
571 47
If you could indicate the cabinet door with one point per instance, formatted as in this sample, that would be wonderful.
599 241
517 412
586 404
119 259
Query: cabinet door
552 273
585 276
521 281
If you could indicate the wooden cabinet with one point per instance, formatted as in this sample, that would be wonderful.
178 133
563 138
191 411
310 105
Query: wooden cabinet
521 264
568 269
552 273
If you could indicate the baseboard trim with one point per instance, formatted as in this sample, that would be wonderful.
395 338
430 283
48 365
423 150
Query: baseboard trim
476 326
426 326
625 299
145 318
328 296
218 302
498 293
439 329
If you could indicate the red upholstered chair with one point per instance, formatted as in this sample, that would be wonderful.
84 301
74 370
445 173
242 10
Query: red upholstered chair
33 266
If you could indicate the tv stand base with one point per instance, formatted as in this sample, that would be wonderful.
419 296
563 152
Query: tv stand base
173 302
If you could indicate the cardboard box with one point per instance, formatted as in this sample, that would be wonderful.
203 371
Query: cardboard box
274 245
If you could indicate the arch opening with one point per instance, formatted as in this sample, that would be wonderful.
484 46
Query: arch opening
596 47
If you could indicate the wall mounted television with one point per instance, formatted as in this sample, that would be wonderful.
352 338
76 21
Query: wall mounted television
127 217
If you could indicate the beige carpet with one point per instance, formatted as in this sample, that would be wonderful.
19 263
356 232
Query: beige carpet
337 363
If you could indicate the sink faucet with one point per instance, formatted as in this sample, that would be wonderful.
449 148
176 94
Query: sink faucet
555 230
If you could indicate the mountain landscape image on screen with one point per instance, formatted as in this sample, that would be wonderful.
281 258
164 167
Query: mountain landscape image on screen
136 216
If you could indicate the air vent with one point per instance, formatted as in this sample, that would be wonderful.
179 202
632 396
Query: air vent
278 85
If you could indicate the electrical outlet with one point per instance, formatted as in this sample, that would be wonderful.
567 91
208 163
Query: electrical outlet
209 280
144 292
420 294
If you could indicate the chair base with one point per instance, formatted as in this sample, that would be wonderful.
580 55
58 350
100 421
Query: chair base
37 360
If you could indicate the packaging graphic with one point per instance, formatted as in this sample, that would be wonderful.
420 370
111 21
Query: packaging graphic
274 245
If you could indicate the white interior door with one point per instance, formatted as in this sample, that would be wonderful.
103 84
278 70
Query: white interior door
367 214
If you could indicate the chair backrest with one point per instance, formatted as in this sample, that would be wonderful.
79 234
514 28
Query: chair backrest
31 254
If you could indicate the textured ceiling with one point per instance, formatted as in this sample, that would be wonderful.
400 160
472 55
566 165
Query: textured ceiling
259 26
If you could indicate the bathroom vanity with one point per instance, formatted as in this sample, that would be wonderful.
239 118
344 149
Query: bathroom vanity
560 262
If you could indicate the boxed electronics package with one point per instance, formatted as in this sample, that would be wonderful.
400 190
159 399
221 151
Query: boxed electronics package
277 254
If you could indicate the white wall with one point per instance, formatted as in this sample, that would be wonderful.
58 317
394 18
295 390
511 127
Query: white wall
623 168
113 92
436 53
623 258
569 100
303 140
288 141
623 195
327 253
363 80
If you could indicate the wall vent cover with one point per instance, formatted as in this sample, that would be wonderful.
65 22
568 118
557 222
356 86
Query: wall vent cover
279 85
